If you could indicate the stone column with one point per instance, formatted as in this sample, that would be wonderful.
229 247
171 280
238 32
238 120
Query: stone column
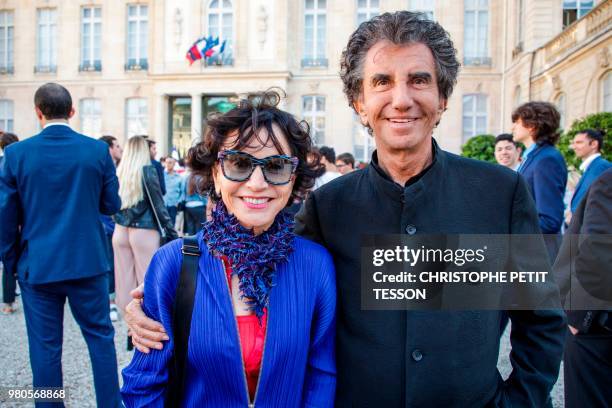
196 117
160 127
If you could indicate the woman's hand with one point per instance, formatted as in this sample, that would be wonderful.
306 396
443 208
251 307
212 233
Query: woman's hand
146 333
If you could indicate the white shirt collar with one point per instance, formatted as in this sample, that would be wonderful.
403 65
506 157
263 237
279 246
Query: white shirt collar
56 123
586 162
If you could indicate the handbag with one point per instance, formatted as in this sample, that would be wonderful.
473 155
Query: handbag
182 311
163 236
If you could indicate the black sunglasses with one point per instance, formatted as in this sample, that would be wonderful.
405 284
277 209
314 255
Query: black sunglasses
239 166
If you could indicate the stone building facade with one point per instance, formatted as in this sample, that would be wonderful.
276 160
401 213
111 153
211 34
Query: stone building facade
124 62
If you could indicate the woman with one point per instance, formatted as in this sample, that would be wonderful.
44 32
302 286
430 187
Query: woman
261 290
137 235
536 125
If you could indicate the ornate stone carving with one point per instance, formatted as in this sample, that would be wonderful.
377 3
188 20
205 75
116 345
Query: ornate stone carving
262 26
178 27
314 86
556 82
604 57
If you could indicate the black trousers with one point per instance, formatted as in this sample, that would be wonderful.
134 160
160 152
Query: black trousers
9 285
587 368
194 217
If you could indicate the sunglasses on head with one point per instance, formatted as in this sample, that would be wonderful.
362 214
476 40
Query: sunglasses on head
239 166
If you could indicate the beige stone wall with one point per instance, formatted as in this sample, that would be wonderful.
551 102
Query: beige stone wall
268 49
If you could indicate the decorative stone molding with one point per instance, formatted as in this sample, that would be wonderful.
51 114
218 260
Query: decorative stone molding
136 91
556 82
604 58
89 91
262 26
314 86
178 27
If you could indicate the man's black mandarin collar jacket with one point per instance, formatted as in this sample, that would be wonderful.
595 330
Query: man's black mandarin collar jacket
430 359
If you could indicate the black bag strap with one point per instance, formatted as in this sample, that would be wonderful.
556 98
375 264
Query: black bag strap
162 231
181 326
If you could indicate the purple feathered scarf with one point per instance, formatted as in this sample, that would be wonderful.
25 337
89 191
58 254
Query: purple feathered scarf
253 258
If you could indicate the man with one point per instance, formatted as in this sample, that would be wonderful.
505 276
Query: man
584 263
587 146
345 163
114 148
175 188
398 71
328 160
158 166
115 151
507 151
53 186
9 283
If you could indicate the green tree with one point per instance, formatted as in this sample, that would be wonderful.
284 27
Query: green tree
481 147
599 121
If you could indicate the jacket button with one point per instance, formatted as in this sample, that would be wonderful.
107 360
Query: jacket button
417 355
411 229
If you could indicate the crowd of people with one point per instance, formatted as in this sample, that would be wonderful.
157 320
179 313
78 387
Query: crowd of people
260 302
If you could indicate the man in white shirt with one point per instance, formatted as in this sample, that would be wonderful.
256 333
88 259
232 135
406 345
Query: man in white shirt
587 146
328 159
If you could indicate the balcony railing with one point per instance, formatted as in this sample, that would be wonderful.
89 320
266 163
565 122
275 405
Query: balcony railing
314 62
137 64
594 23
90 66
477 61
45 69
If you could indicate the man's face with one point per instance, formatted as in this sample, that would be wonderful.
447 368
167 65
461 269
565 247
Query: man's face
583 146
115 151
400 99
343 167
153 150
506 153
521 133
169 164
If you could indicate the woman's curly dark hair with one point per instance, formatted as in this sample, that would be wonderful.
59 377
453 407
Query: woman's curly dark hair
257 113
543 117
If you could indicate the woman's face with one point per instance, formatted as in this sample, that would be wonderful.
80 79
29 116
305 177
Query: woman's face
255 202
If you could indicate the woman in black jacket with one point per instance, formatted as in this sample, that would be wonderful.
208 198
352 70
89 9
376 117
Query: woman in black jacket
138 223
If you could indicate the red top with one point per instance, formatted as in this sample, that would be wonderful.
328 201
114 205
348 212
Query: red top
252 337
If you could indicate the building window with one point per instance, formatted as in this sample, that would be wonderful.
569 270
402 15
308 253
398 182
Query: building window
474 115
136 117
607 92
366 9
423 6
6 42
363 142
91 39
91 117
315 21
560 104
476 33
220 18
313 112
46 57
137 37
573 10
6 115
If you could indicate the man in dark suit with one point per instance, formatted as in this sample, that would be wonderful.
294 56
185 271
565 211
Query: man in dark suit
53 186
399 70
587 146
585 267
535 124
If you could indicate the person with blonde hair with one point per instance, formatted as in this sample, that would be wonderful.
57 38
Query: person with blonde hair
143 213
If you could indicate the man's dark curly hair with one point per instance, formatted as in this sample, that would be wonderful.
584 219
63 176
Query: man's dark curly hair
248 118
400 27
543 117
